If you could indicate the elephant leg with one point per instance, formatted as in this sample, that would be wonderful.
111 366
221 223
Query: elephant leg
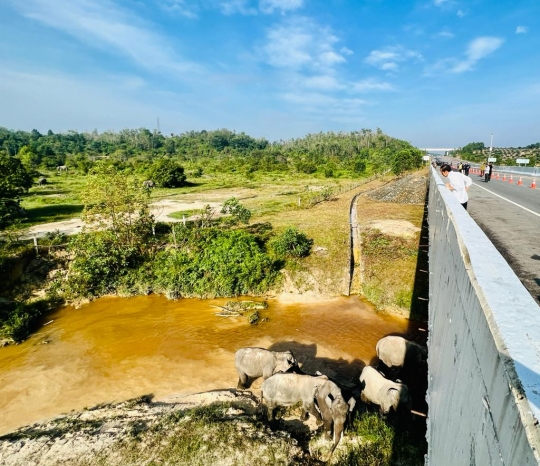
242 381
310 409
270 411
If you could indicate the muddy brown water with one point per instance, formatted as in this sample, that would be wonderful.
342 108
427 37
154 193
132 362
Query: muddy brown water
116 348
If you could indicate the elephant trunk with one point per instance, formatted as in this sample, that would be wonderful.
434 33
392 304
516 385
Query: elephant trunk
338 433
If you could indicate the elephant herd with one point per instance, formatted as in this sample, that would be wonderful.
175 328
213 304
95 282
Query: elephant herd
285 384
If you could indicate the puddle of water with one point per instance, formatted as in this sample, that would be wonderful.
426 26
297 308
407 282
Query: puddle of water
116 348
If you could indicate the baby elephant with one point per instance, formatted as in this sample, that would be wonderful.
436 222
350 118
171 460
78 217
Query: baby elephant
334 410
288 389
397 352
380 391
259 362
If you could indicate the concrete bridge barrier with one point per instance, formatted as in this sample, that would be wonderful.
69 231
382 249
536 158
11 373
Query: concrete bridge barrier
484 347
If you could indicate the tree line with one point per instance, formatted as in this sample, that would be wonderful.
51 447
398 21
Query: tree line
478 152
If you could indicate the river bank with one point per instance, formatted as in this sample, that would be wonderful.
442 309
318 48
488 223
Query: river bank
155 349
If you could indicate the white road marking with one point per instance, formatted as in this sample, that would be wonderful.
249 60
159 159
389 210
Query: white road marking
508 200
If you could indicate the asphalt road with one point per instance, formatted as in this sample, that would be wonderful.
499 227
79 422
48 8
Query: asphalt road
510 216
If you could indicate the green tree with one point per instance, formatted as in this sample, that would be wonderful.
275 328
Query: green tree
117 237
167 173
14 181
117 202
29 159
238 212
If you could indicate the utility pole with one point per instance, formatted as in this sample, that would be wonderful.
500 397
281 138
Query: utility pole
159 129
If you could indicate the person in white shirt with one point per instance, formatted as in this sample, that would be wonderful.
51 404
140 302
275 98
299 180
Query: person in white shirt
458 183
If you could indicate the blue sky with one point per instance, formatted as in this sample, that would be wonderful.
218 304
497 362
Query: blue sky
437 73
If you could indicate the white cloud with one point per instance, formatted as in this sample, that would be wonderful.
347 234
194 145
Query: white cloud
371 84
345 51
476 50
440 2
102 24
323 82
300 43
521 30
238 6
331 57
247 7
389 58
461 13
268 6
446 34
181 7
331 107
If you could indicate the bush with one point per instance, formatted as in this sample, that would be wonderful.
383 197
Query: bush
291 244
99 263
18 320
214 263
239 214
167 173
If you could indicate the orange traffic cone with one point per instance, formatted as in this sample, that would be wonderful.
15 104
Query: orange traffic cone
519 183
511 180
533 184
504 177
497 175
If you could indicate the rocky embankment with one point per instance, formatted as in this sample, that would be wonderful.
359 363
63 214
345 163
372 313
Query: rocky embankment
410 189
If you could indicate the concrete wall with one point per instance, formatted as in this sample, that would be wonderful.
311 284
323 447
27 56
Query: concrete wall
484 347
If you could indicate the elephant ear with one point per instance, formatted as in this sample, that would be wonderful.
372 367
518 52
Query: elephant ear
393 396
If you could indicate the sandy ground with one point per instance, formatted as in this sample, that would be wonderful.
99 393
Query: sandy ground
160 210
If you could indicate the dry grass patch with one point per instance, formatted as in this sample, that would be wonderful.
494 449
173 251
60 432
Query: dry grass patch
389 255
326 271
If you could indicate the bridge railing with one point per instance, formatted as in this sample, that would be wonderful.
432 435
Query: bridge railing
484 347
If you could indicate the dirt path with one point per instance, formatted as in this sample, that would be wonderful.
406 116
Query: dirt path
160 210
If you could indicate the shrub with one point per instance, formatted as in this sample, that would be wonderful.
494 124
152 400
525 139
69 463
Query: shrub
167 173
239 214
211 262
99 263
291 244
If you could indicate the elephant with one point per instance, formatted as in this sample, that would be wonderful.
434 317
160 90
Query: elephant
260 362
62 168
148 184
42 181
397 353
287 389
334 410
380 391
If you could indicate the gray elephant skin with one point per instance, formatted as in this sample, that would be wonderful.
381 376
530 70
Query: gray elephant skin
252 363
380 391
398 353
334 410
287 389
148 184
